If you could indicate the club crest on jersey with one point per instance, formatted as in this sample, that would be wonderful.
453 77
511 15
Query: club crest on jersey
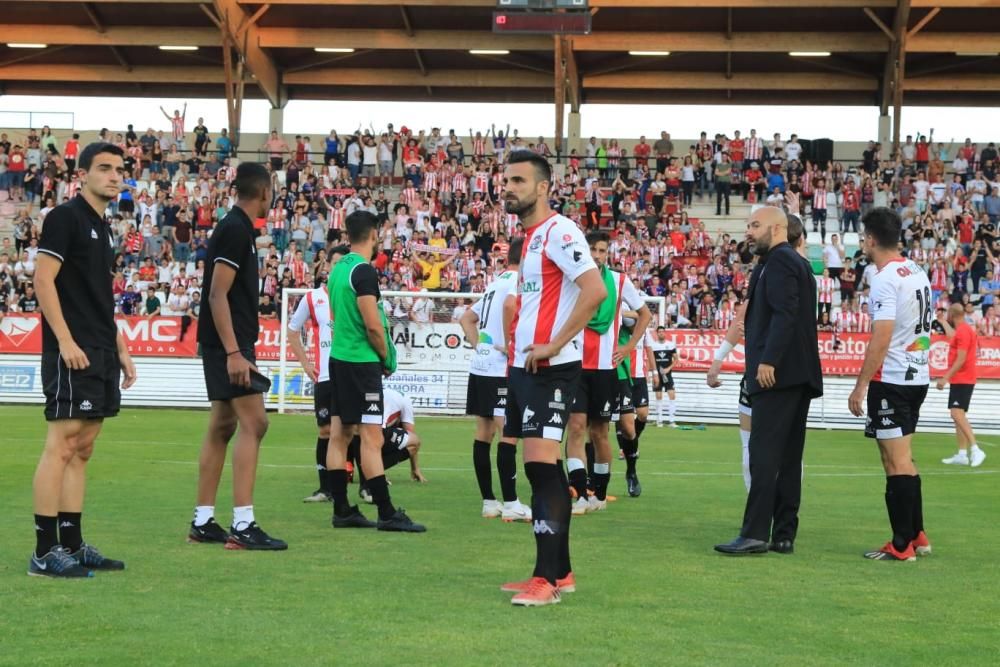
557 396
536 244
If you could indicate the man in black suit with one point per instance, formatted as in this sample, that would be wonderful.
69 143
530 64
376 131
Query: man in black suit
783 375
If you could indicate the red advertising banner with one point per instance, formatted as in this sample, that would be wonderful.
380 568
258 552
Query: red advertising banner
162 337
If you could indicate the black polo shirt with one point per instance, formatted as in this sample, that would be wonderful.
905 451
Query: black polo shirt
76 235
232 243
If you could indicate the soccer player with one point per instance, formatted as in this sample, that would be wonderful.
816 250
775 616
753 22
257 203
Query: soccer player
361 354
962 376
83 357
399 439
665 354
895 375
314 308
596 396
633 399
227 331
559 289
487 330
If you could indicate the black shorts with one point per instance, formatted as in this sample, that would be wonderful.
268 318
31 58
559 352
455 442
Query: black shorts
538 403
663 382
394 449
92 393
893 410
819 215
357 392
960 395
126 206
217 384
322 395
624 404
745 408
596 394
486 396
640 393
277 163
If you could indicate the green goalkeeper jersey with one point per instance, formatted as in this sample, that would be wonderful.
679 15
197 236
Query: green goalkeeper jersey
351 278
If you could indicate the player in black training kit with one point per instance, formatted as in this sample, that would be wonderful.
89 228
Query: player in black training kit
83 357
227 331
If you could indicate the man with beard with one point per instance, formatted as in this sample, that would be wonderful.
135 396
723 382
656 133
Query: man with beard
783 375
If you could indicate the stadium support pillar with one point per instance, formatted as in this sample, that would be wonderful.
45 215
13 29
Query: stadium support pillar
276 119
574 131
884 129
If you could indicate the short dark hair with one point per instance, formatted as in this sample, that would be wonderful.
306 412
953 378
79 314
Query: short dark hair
884 226
543 172
342 249
795 229
597 237
88 154
359 225
514 252
252 180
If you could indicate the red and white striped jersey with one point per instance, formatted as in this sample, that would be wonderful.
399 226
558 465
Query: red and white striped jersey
482 182
430 181
637 360
177 127
753 148
459 183
555 254
314 309
598 349
411 197
825 287
278 217
864 321
227 174
444 180
724 318
476 207
819 199
845 321
299 269
479 147
498 183
989 326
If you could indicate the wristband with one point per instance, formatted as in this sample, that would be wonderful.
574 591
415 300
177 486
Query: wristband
723 351
229 354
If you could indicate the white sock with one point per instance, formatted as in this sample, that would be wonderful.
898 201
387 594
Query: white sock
974 448
242 517
659 409
602 468
745 439
202 513
574 464
673 409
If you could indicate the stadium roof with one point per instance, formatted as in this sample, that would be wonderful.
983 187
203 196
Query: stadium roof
721 51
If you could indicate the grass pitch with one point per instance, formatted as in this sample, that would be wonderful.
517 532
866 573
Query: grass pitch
651 590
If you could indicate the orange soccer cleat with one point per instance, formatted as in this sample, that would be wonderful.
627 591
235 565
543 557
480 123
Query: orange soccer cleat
538 593
921 545
565 585
889 552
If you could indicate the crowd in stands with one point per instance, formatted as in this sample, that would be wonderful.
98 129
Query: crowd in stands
444 230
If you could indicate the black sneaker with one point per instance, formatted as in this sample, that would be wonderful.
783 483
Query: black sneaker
354 519
400 523
92 559
634 488
57 563
254 539
210 532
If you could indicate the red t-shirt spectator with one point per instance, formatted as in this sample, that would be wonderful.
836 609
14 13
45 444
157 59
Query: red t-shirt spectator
736 150
204 217
641 153
678 240
16 161
923 151
300 152
72 149
965 231
851 200
964 339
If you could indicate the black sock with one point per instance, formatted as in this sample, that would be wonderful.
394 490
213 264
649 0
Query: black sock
322 444
578 480
380 496
601 481
918 509
338 489
354 456
507 471
70 530
589 449
484 473
550 510
46 534
631 455
899 497
620 436
640 426
564 565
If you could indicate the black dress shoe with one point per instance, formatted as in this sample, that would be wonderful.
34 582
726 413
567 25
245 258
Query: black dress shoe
742 546
782 547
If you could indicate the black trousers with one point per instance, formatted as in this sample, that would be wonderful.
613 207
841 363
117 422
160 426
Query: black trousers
777 438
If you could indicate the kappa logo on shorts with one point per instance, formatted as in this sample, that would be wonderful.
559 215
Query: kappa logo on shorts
502 402
373 407
543 528
555 419
886 421
956 404
372 397
86 406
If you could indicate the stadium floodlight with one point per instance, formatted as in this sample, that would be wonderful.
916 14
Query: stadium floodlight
489 52
649 53
332 49
809 54
26 45
178 48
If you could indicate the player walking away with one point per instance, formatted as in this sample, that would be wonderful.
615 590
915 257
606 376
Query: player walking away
962 350
83 356
399 440
559 289
227 331
487 329
895 375
314 309
362 352
633 399
596 396
665 354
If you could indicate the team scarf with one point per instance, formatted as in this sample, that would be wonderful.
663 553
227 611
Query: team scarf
437 250
605 315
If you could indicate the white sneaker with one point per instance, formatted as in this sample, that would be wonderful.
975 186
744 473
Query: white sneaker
581 506
960 459
977 457
492 509
515 511
596 505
